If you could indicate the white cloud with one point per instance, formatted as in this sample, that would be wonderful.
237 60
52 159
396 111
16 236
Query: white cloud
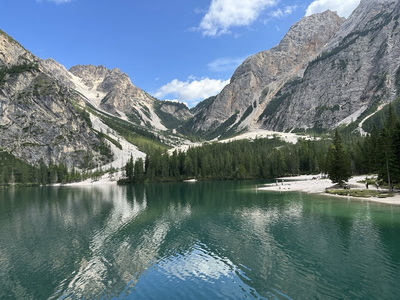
282 12
224 14
343 7
225 64
192 90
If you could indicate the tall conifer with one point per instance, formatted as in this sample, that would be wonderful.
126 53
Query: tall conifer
338 161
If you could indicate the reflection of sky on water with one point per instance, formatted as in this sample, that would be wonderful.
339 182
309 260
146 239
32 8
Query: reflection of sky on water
90 277
171 241
195 274
198 262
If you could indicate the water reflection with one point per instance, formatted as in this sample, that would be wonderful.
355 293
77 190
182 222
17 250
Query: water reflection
207 240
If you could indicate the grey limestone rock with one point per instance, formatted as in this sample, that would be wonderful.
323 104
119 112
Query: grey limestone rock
122 98
38 119
357 71
260 76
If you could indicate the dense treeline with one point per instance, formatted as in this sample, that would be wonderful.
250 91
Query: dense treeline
379 152
341 157
15 171
261 158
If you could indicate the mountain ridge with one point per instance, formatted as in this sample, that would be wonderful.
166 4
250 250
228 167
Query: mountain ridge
46 112
359 73
260 76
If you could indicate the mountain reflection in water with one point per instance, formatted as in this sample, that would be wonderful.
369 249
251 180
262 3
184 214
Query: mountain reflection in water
194 241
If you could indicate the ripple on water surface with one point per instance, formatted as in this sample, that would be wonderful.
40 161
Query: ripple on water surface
195 274
206 241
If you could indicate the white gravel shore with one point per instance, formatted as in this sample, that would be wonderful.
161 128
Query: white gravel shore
315 184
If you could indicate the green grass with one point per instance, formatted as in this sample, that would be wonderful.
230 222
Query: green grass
360 193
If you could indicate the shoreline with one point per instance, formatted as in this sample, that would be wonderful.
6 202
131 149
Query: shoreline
311 184
314 184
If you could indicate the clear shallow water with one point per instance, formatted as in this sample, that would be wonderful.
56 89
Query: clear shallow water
208 240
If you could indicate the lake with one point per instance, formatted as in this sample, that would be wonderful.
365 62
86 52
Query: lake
203 240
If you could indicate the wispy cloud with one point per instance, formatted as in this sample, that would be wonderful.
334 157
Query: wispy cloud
224 14
56 1
192 90
282 12
224 64
343 8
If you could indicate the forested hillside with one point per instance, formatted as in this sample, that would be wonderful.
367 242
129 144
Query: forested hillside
378 153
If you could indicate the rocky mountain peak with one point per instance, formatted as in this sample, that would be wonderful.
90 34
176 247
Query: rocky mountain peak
90 74
57 71
307 36
43 115
259 77
307 30
112 91
357 72
116 94
102 79
361 17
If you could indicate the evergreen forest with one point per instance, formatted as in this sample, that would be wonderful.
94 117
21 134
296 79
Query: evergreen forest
338 156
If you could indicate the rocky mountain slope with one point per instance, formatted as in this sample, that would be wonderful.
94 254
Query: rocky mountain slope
112 91
49 113
326 72
38 116
260 76
357 72
116 94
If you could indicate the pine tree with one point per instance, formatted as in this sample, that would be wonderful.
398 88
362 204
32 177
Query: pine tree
338 161
129 169
53 175
43 172
139 170
389 169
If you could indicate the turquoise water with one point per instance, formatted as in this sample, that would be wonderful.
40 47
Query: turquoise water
204 240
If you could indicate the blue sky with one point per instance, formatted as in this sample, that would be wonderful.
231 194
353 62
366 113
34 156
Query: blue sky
178 49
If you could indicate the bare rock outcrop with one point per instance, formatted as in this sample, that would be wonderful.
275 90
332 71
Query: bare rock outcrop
38 119
357 71
120 97
260 76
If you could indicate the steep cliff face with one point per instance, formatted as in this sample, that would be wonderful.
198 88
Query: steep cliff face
260 76
38 119
357 71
